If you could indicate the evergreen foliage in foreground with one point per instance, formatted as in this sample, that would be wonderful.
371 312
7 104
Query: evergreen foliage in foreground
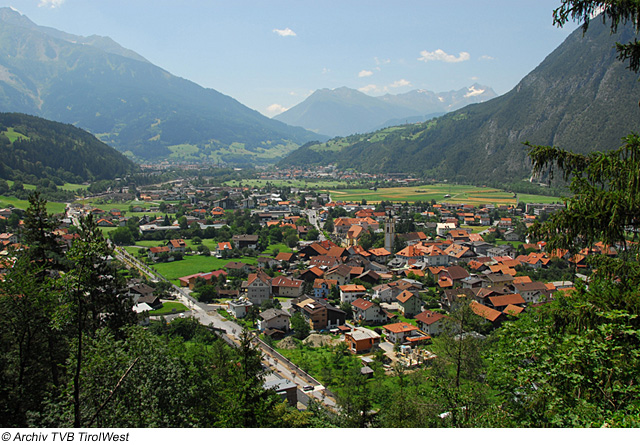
72 355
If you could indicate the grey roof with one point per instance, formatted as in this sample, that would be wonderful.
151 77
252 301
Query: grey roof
270 314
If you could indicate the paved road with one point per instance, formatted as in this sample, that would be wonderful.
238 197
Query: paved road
207 315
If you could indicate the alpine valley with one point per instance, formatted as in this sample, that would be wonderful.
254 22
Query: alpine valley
129 103
577 99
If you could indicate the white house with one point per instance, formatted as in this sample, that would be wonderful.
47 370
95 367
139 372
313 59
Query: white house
351 292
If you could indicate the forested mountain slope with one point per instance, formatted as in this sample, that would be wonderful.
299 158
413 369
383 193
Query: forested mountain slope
32 147
129 103
580 98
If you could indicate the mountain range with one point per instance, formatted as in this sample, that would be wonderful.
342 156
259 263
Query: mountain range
129 103
580 98
344 111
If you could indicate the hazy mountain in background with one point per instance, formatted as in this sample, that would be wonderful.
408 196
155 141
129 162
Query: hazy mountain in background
129 103
345 111
579 98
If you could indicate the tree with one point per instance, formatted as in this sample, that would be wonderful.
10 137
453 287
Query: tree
38 232
97 297
615 12
207 293
122 236
574 361
300 326
291 240
328 225
312 235
456 372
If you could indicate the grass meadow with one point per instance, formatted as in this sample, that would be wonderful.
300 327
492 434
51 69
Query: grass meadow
464 194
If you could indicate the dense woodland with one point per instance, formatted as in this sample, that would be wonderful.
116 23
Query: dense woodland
32 148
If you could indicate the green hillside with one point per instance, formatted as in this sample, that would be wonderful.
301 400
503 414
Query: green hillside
131 104
580 98
33 148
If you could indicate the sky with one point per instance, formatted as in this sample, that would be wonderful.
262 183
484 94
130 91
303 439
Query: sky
272 54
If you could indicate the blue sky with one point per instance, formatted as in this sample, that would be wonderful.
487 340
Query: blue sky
271 54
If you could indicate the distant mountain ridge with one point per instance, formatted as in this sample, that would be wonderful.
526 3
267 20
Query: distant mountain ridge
580 98
129 103
344 111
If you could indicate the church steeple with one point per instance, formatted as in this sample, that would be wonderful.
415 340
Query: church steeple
389 231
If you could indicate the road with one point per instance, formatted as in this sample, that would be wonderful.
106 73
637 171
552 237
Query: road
207 315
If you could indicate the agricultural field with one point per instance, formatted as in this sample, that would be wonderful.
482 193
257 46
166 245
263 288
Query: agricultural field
67 186
12 201
465 194
122 206
192 264
301 184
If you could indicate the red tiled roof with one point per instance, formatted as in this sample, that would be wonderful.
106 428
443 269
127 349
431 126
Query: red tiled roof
400 327
485 311
429 317
362 304
404 296
505 300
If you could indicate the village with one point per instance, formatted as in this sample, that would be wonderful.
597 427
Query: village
290 264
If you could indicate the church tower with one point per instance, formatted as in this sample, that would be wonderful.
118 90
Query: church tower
389 231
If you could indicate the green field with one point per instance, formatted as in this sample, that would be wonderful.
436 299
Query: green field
11 201
14 135
464 194
67 186
193 264
122 206
170 307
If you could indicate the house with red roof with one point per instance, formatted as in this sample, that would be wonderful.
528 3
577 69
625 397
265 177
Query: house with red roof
500 302
367 311
410 304
286 287
154 252
489 314
177 245
322 287
404 333
221 247
351 292
257 287
190 280
431 322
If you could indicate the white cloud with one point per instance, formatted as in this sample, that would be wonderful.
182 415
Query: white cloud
275 109
287 32
381 61
371 88
441 56
377 89
400 83
365 73
326 70
485 57
50 3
